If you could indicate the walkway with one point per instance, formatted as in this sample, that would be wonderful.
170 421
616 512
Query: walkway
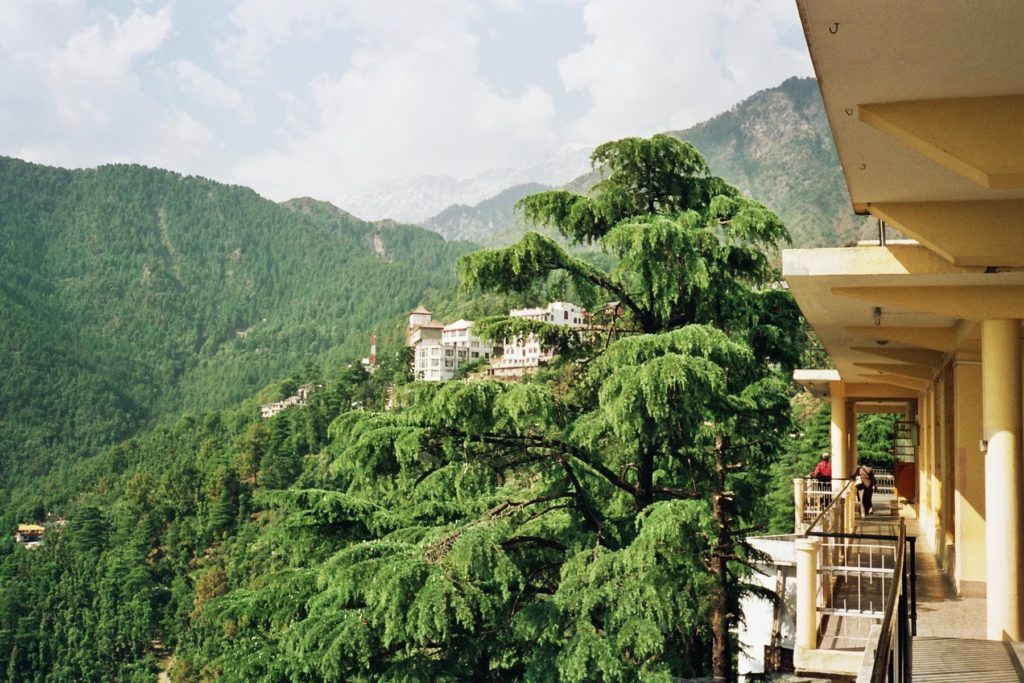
950 643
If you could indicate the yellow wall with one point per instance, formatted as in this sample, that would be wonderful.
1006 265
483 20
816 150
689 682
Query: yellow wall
969 572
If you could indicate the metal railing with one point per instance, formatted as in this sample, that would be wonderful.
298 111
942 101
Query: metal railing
885 482
859 577
818 496
893 655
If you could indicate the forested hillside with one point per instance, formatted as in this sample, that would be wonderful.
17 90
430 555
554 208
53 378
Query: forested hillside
586 524
129 293
776 146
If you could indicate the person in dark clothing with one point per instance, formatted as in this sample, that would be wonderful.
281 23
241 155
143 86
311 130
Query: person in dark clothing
865 478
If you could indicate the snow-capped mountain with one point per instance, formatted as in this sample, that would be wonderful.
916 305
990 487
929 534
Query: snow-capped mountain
414 200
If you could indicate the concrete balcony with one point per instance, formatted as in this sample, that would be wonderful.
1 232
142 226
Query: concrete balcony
852 578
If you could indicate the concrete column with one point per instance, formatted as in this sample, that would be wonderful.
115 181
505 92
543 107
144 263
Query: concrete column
840 436
969 530
851 427
924 488
806 593
946 460
1001 427
850 517
799 497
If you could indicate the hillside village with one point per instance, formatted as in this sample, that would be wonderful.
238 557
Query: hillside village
440 351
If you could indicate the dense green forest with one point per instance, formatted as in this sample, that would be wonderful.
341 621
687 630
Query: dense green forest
584 525
132 293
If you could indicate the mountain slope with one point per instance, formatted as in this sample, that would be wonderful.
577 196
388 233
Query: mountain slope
477 223
129 293
775 146
418 198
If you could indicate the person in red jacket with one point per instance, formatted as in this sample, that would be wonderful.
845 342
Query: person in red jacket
823 475
823 470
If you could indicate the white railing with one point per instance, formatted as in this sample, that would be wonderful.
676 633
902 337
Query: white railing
885 482
817 496
860 578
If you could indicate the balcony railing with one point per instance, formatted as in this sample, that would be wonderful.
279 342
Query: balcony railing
847 583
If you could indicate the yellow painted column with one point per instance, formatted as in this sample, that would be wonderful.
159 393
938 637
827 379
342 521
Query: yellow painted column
851 427
840 436
924 459
806 593
934 442
1001 427
946 464
969 531
850 513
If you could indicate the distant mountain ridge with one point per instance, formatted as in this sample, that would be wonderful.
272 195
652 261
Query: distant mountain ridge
775 146
415 200
485 220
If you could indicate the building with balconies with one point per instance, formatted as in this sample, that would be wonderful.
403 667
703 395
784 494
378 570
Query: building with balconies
925 101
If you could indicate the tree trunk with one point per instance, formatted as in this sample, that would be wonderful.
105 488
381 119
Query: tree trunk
721 654
644 480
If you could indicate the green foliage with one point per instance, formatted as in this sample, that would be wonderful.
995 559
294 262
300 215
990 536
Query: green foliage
158 529
583 525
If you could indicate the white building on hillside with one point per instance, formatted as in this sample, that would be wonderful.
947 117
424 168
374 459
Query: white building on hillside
440 350
523 356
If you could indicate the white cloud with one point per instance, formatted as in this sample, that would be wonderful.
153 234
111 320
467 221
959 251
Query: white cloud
262 24
653 65
411 102
102 55
338 95
212 89
93 70
184 132
25 27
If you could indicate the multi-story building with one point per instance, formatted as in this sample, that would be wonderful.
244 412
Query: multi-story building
925 102
525 355
440 350
300 398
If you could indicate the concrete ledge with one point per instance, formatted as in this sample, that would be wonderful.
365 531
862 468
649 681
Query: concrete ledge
844 662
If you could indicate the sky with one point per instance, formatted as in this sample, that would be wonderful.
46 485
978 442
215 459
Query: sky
328 98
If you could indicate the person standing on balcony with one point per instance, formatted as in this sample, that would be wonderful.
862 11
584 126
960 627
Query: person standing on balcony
823 470
823 475
864 476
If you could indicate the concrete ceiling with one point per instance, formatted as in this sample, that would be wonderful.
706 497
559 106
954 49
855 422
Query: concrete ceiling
873 57
926 103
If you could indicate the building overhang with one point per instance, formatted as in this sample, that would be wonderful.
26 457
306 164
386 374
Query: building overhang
890 314
925 99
